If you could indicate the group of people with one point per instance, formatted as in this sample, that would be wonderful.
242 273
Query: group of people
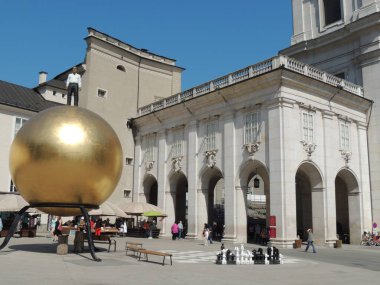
258 233
177 230
96 225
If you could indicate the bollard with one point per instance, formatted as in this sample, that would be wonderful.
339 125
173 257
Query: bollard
63 247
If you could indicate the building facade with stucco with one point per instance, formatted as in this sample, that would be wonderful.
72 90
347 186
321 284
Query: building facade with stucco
294 135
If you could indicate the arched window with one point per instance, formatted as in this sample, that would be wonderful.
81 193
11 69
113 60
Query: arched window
121 68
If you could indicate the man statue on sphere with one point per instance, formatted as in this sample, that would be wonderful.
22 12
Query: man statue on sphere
73 84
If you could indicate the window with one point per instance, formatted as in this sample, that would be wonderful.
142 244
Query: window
127 193
307 127
54 93
332 10
128 161
210 136
19 123
63 95
121 68
251 128
102 93
177 143
344 135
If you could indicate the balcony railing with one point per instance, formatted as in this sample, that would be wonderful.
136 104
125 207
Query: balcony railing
250 72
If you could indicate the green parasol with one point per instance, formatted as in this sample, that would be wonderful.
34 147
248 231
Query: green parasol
154 214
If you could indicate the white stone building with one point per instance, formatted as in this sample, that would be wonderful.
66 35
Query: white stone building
309 137
342 38
303 131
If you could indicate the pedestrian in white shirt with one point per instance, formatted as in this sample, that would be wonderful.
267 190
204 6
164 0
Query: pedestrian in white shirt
73 84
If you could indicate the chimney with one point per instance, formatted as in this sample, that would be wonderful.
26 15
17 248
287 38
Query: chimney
42 77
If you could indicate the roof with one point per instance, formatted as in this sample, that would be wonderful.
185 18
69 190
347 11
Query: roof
22 97
54 83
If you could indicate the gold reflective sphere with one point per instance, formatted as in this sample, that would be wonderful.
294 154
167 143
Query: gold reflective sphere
66 155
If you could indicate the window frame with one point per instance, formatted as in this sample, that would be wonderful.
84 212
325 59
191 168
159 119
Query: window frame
322 16
211 129
177 144
344 135
309 137
253 127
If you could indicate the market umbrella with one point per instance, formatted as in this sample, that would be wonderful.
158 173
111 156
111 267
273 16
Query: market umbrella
154 214
14 202
108 209
138 208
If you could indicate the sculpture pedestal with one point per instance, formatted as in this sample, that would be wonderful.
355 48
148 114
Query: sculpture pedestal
63 247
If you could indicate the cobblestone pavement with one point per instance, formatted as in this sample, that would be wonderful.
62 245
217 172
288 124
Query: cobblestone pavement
34 261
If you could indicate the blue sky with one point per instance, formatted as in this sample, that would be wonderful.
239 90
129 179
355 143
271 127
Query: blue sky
207 38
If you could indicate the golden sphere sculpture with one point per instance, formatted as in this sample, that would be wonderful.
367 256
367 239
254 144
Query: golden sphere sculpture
66 155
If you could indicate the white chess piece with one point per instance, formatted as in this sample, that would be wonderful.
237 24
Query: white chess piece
250 261
266 258
237 254
224 260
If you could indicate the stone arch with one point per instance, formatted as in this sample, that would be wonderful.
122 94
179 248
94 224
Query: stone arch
310 200
210 198
177 197
257 200
347 204
150 189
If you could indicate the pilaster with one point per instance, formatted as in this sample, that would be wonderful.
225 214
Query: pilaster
192 181
232 225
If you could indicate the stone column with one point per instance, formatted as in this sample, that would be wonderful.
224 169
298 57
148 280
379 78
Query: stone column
283 168
364 184
318 215
229 171
192 181
241 214
329 149
202 201
161 178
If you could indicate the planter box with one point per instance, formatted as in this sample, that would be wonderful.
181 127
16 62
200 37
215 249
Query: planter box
297 243
338 244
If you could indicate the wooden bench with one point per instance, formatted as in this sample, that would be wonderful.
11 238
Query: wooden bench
158 253
103 239
133 246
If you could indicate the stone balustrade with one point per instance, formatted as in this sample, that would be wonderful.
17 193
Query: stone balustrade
273 63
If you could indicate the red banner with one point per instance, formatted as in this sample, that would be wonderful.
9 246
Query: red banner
272 221
272 232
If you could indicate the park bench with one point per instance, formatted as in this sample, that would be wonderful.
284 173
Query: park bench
153 252
105 239
133 246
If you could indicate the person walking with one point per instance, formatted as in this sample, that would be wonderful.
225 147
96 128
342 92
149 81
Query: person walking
310 240
180 230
